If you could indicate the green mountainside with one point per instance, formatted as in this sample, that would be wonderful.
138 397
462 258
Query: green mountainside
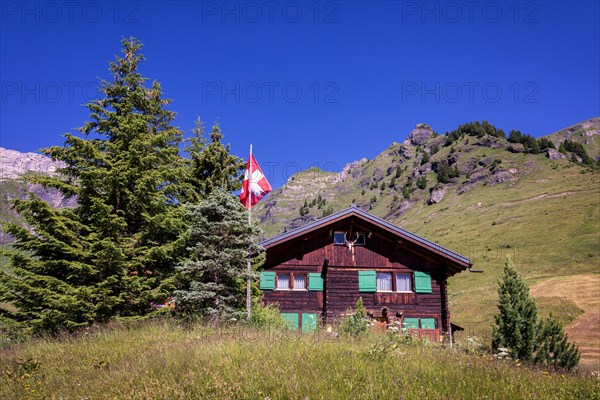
497 201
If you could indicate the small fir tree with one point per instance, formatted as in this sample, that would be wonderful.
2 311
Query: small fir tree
553 349
515 323
355 323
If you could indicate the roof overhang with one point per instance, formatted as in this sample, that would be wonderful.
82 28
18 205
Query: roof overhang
454 261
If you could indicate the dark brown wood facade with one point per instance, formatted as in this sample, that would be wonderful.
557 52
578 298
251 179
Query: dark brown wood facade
312 250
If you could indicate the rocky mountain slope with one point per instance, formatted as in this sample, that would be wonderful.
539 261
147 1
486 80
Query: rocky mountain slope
13 165
494 200
381 184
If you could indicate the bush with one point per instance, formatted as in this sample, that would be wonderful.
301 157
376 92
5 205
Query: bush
266 316
355 323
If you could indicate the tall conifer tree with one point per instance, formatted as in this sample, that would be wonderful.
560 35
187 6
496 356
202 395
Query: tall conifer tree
113 253
211 164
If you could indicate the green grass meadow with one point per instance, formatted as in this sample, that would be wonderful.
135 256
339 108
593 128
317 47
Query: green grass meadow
161 360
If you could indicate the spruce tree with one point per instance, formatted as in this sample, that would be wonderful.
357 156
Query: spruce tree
214 276
211 164
515 323
113 254
53 288
553 349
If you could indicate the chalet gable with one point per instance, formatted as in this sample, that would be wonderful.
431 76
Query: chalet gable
354 228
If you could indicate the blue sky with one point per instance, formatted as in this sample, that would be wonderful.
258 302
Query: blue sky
307 83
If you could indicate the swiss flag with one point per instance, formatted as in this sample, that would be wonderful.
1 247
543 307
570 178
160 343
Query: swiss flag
255 184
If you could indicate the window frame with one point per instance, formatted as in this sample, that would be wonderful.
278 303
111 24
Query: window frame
377 273
345 238
289 281
293 282
410 278
364 241
394 283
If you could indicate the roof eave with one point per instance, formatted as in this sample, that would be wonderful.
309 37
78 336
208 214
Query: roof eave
461 261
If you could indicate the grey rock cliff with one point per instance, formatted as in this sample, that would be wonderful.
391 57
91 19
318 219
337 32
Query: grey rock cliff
14 164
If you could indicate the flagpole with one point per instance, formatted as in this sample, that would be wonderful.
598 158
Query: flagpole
249 207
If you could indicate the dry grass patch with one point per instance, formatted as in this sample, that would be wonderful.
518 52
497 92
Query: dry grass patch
584 291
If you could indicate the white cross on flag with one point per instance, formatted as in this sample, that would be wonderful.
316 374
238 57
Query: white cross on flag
255 184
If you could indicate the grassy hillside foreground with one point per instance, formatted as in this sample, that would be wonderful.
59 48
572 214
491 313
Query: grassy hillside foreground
162 361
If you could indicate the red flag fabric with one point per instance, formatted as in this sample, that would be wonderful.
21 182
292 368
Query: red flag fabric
255 184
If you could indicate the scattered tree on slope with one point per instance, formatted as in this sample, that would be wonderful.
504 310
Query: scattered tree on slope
517 329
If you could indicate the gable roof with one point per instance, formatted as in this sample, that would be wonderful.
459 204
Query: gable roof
454 258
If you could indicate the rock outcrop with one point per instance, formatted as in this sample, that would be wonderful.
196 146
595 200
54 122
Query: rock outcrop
437 195
420 135
554 154
351 169
13 164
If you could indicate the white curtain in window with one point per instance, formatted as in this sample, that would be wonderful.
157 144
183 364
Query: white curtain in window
299 282
384 282
283 281
403 283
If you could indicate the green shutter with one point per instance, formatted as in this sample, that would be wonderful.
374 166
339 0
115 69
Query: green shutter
315 282
422 282
367 281
267 280
411 323
427 323
291 319
309 323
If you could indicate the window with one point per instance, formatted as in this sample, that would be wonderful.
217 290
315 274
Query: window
299 282
361 239
384 282
339 238
283 282
403 283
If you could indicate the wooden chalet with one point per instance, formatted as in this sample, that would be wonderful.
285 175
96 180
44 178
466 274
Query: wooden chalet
318 271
